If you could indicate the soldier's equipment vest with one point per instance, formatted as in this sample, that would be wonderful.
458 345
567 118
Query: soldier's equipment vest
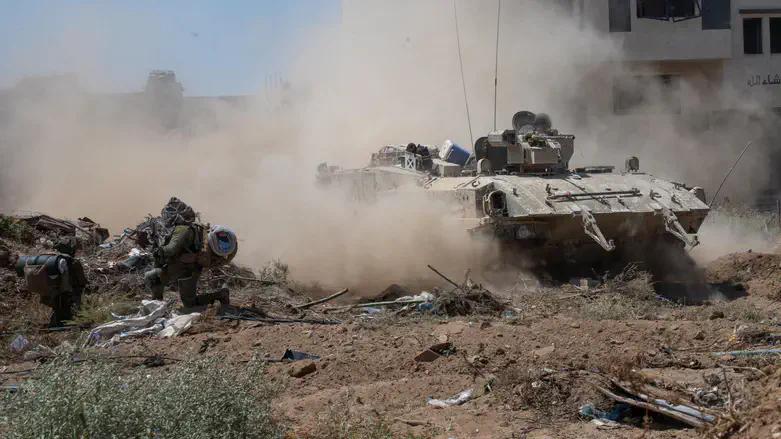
46 275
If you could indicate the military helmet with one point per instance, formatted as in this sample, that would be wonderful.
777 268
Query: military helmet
222 241
542 122
176 212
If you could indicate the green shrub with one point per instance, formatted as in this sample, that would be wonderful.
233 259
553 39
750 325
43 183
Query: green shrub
15 230
97 308
197 399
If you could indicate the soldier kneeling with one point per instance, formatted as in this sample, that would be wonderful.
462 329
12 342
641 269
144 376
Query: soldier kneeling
183 257
58 278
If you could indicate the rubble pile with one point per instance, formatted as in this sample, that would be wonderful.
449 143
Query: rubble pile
467 301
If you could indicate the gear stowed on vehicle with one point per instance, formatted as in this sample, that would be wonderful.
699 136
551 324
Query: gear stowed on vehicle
517 187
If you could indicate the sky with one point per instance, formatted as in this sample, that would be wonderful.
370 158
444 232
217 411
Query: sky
216 47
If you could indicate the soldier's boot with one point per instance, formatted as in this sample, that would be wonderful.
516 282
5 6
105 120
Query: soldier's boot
76 299
62 311
222 295
154 283
187 291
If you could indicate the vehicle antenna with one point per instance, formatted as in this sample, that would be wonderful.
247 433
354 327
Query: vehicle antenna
716 194
496 59
463 81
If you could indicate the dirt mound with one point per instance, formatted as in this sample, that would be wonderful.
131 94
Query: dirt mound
758 273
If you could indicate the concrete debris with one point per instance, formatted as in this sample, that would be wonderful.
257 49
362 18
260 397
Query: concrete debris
86 230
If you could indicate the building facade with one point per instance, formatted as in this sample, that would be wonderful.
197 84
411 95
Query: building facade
727 52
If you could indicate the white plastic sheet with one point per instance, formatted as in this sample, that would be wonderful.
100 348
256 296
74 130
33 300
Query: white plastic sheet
459 399
149 320
178 325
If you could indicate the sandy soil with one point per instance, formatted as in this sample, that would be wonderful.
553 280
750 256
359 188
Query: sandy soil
531 368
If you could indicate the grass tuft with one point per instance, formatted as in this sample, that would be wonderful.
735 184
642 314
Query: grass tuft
197 399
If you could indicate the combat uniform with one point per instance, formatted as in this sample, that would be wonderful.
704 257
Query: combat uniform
181 260
58 279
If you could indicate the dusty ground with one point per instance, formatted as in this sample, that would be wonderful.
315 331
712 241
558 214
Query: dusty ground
532 368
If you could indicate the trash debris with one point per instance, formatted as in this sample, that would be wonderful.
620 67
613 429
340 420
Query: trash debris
178 325
19 344
691 415
465 299
84 228
614 415
136 258
291 355
459 399
10 388
149 320
392 292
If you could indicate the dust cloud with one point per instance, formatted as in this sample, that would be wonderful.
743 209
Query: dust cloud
387 73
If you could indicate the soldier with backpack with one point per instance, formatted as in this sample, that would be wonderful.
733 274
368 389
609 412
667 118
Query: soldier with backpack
187 250
58 278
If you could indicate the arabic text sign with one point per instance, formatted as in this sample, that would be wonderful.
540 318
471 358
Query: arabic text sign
755 80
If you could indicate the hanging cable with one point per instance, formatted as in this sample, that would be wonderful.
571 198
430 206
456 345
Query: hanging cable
496 60
463 81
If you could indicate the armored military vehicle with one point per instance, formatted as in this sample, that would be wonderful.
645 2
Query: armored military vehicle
517 186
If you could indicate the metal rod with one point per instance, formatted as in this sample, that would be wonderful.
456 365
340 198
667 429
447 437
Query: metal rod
444 277
279 320
588 194
384 303
713 200
496 59
324 299
463 81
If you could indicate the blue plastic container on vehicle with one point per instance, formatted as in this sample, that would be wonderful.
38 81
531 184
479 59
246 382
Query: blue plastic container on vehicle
455 154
